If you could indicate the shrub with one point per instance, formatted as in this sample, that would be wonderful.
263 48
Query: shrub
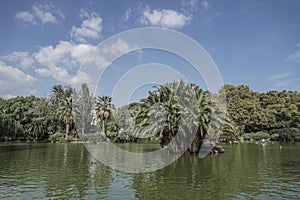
286 134
57 137
248 136
256 136
275 137
261 135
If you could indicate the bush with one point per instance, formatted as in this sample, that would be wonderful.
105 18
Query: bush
56 137
275 137
261 135
286 134
289 134
248 136
256 136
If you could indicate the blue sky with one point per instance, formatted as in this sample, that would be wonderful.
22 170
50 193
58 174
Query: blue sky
43 43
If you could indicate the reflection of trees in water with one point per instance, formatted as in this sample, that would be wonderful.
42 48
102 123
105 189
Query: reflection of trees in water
242 169
65 171
100 177
175 181
70 173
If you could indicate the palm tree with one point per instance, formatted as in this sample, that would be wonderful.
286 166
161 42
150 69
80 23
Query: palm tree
167 112
61 98
57 94
36 127
65 113
103 110
204 111
231 131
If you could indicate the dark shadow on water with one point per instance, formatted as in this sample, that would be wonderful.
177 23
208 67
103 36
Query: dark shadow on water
9 147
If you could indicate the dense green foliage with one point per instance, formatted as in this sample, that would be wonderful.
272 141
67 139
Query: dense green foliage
26 117
176 109
160 116
33 118
272 112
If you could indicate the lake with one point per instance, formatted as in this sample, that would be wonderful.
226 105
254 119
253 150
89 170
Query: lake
65 171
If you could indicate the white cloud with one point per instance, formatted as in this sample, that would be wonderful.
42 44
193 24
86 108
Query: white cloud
14 81
20 59
205 5
284 79
25 16
91 27
165 18
127 15
50 55
117 48
283 83
43 12
68 53
61 62
57 61
294 57
286 82
54 61
279 76
189 5
81 77
62 75
58 73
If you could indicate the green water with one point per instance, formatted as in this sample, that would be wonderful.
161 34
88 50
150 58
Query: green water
65 171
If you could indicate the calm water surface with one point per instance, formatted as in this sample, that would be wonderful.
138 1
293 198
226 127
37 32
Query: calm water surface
65 171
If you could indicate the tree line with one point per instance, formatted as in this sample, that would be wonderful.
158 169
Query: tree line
272 114
69 113
35 118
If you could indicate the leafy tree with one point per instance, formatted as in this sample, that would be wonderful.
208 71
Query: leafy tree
281 115
271 98
244 107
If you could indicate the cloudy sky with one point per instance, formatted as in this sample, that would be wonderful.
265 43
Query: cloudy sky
43 43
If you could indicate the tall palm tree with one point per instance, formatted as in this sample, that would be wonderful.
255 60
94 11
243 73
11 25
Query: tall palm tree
103 110
57 94
65 113
61 98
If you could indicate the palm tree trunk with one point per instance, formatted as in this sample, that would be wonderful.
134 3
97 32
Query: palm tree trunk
103 127
82 129
67 130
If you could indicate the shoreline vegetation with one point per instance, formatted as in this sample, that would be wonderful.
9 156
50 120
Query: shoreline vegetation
74 115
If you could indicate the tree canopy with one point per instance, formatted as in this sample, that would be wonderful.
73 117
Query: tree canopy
157 117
